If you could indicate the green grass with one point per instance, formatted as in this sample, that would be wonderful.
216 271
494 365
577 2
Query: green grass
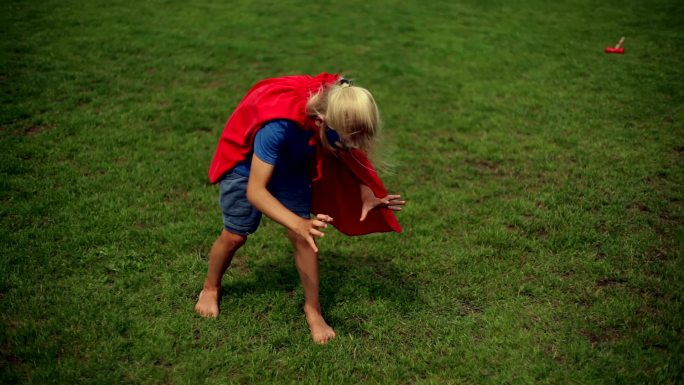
542 238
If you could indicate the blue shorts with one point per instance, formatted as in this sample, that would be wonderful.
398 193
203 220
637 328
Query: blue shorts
239 216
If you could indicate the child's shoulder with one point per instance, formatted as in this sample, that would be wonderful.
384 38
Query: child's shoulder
281 123
282 127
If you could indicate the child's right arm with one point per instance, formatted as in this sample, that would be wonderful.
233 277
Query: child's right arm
259 196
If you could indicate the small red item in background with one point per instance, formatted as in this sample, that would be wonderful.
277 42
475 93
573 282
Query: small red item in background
617 49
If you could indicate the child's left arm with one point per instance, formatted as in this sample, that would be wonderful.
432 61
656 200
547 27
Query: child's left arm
370 201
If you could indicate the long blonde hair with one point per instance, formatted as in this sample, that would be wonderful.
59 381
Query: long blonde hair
349 110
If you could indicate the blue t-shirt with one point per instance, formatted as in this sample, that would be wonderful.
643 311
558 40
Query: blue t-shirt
283 144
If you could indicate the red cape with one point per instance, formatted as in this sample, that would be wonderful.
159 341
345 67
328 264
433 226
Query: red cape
336 188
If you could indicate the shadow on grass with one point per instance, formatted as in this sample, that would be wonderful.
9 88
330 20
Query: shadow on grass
349 284
368 279
363 287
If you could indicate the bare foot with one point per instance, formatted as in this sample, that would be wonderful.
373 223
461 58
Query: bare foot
207 304
321 333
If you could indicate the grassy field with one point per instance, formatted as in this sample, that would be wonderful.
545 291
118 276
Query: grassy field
543 233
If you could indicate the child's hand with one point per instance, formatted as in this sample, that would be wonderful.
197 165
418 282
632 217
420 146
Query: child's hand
370 201
310 228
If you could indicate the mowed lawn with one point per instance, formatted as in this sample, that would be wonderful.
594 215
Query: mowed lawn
544 178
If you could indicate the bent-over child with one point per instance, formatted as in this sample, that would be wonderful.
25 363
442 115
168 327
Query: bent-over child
263 165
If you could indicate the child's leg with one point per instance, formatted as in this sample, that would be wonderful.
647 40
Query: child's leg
220 257
306 261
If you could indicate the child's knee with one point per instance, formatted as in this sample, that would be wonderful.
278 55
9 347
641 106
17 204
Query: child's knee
232 240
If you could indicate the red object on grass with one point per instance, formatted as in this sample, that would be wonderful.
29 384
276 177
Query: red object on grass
336 188
617 49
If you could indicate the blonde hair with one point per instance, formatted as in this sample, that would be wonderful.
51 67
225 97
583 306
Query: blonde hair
349 110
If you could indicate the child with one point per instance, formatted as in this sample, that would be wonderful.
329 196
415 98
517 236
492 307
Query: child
262 166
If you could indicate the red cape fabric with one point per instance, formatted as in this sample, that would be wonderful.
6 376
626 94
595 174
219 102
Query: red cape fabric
336 188
337 192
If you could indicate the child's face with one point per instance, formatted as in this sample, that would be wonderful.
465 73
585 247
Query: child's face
334 136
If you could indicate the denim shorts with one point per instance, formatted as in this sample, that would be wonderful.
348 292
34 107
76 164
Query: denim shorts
239 216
